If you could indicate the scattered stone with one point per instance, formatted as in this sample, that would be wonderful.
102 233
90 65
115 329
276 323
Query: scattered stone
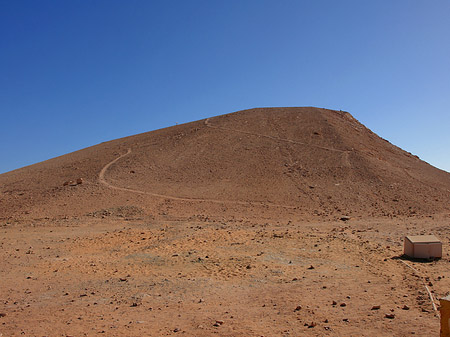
311 267
123 279
299 307
176 330
334 303
390 316
2 314
405 307
218 323
73 183
312 325
345 319
343 304
376 307
345 218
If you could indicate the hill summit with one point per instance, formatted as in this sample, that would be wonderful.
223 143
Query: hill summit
264 163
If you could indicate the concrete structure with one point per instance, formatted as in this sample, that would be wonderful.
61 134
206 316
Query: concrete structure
445 316
423 247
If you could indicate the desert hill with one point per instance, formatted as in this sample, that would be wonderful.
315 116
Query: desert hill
266 163
229 226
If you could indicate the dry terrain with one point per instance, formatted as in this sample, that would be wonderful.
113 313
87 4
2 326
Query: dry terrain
263 222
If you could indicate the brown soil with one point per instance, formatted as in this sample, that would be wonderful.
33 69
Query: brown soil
228 226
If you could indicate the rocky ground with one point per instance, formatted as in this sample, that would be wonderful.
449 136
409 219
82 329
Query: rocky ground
120 276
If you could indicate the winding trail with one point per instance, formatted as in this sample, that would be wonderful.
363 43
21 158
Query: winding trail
103 171
103 181
207 123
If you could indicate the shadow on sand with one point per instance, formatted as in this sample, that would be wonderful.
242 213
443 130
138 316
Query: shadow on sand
405 257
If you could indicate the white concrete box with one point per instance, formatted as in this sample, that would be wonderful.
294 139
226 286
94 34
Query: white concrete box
423 247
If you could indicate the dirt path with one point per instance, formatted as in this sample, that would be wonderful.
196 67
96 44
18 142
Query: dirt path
103 181
208 124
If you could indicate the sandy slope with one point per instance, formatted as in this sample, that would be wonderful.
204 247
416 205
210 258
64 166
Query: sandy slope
312 161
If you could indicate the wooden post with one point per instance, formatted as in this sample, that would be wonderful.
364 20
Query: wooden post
445 316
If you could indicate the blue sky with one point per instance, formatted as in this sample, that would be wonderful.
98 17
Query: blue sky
77 73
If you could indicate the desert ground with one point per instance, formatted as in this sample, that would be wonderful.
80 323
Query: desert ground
125 277
265 222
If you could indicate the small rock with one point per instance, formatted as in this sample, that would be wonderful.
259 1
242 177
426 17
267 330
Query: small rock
405 307
390 316
345 218
334 303
343 304
218 323
176 330
376 307
312 325
298 308
311 267
2 314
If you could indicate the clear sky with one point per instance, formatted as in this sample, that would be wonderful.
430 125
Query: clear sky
77 73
